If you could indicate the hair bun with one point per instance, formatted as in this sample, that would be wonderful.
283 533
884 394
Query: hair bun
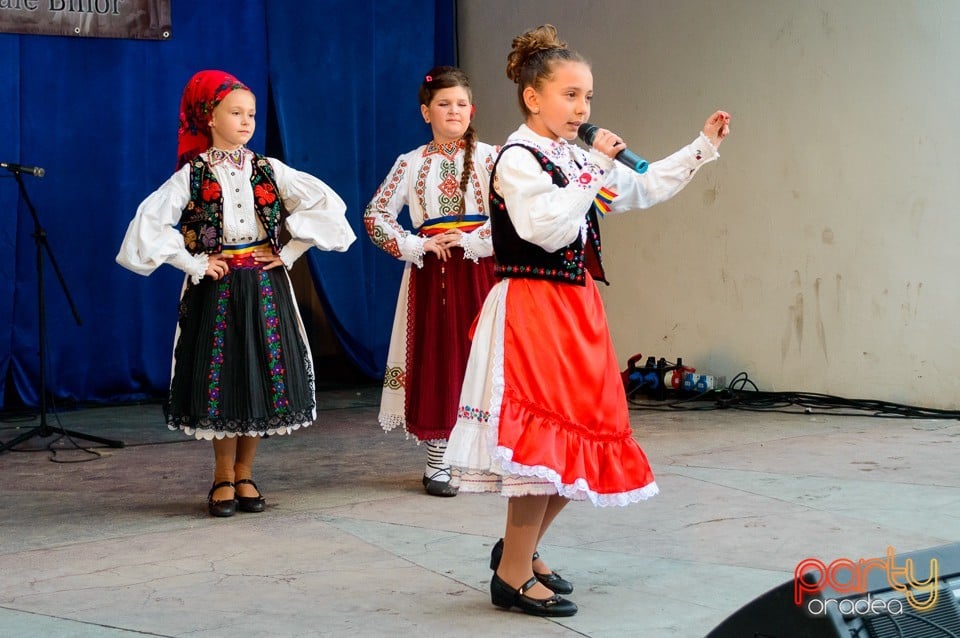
529 44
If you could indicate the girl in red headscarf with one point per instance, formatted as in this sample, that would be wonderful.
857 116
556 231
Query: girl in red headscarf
242 367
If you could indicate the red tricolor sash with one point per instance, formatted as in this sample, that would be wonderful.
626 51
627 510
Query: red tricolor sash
440 225
603 200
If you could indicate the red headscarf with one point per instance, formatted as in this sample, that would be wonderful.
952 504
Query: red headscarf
204 91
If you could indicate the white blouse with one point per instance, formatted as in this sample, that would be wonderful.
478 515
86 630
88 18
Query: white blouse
427 181
316 218
551 217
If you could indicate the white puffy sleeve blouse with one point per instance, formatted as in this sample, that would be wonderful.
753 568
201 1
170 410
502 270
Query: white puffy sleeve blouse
316 218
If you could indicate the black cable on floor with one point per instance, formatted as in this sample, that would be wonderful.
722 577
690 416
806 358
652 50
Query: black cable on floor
743 394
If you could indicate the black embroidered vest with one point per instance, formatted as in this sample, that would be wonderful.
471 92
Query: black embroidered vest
516 257
202 220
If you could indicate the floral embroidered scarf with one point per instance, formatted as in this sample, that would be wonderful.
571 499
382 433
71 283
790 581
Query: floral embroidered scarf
204 91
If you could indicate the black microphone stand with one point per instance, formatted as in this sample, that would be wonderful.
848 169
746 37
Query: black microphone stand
40 239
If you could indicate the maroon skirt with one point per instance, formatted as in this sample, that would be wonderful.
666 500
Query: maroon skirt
443 300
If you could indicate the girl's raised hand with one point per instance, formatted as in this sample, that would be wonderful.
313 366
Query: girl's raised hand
717 127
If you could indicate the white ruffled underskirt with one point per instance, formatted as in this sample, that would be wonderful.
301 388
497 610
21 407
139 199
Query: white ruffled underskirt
472 448
208 435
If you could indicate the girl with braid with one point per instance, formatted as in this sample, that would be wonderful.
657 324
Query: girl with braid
448 271
242 368
543 416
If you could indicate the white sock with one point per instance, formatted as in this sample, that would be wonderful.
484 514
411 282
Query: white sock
436 469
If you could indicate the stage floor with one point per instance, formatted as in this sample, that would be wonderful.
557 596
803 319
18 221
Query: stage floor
350 544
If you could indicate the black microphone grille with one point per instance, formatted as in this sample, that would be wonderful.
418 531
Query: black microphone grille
587 132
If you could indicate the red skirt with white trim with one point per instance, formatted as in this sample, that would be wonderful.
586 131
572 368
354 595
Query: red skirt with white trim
542 409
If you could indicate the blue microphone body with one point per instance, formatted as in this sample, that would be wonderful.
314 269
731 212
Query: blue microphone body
588 131
631 159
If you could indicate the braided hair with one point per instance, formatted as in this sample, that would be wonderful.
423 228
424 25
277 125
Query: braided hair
445 77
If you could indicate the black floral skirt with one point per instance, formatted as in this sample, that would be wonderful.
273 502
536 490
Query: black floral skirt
241 362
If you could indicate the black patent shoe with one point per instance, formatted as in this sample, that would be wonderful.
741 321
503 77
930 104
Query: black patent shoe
223 508
438 488
506 597
250 503
552 581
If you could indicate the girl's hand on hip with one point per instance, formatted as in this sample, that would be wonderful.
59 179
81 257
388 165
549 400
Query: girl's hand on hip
267 258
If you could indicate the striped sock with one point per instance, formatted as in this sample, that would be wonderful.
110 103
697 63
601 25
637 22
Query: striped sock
437 470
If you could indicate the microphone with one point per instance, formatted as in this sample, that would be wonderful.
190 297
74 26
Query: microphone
36 171
588 131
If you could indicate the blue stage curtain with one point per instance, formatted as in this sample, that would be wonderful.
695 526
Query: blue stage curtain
10 148
100 115
346 101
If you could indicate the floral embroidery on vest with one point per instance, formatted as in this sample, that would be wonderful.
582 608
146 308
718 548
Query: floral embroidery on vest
201 222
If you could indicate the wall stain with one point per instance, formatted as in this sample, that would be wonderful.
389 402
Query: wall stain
880 305
910 308
710 195
821 331
794 327
839 284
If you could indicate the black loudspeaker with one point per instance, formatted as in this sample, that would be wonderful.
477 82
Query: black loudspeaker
911 595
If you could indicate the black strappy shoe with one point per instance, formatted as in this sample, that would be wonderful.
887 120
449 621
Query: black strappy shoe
504 596
250 503
223 508
439 488
552 581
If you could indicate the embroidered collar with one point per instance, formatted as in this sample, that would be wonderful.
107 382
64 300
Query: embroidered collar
449 149
569 156
234 158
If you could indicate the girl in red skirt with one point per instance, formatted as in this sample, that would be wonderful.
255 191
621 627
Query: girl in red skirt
448 272
543 416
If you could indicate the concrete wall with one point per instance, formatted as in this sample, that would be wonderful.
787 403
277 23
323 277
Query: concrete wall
819 254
